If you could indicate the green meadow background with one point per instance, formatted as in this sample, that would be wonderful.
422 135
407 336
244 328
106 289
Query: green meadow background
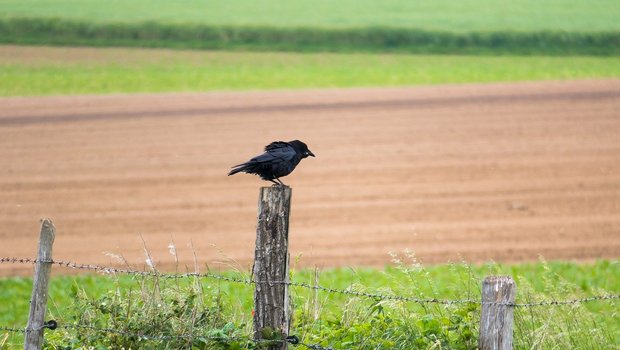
444 15
299 44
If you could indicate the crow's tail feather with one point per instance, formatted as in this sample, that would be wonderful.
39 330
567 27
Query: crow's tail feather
248 167
234 171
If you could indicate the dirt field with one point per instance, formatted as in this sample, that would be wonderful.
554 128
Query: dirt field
506 172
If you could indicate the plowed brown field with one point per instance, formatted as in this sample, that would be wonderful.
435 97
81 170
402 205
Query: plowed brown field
506 172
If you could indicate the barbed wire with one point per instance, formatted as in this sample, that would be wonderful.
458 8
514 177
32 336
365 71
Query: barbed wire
113 270
12 329
49 324
376 296
570 301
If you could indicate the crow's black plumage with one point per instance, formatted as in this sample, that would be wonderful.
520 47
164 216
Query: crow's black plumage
280 159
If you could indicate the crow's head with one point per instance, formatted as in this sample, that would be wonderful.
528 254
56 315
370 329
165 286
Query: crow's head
301 148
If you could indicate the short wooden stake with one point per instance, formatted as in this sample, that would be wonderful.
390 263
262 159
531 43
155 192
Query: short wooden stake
496 319
38 303
272 312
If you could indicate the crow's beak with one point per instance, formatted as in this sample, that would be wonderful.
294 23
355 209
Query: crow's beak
310 153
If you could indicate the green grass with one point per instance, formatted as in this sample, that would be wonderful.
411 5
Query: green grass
345 321
440 15
55 71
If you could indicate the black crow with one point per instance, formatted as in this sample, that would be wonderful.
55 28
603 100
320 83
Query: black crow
280 159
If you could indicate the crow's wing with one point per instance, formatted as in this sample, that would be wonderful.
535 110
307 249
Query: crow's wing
276 152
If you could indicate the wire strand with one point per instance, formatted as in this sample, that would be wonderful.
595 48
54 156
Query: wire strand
376 296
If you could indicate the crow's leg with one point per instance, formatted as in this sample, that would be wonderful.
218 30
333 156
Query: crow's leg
280 181
275 183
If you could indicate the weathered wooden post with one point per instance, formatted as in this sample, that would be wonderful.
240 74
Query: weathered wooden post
272 312
496 318
38 303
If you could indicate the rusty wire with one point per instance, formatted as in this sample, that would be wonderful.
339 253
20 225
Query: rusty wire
376 296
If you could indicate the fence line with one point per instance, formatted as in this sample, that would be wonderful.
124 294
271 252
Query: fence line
113 270
272 303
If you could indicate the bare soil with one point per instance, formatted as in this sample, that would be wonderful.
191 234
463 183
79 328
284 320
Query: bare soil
504 172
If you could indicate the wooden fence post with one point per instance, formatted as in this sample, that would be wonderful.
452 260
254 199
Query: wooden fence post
496 320
38 303
272 312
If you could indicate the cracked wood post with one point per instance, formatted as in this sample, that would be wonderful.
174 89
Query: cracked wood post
272 312
38 302
496 320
